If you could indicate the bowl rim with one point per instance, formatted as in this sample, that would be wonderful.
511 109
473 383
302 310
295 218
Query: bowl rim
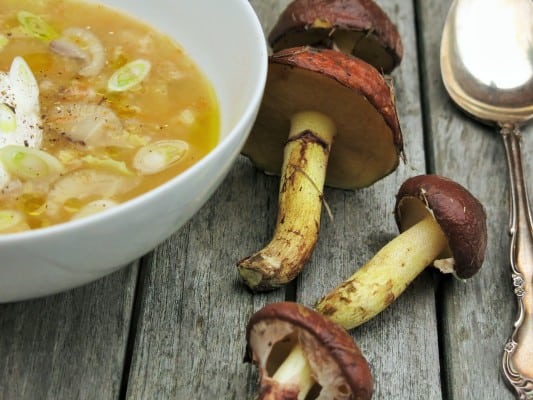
246 117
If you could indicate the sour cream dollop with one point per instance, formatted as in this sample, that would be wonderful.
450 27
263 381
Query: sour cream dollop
20 120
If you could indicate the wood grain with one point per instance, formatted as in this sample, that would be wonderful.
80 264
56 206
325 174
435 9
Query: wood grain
191 324
477 315
68 346
172 326
402 342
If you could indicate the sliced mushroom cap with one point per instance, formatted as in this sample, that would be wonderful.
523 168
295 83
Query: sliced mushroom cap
337 364
460 215
352 93
357 27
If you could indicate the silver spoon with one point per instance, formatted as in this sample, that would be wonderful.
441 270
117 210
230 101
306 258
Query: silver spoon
487 68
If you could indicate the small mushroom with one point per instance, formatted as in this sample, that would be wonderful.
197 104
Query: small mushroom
357 27
441 223
316 97
324 362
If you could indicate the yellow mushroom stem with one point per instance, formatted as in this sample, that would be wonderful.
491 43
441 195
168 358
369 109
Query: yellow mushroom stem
303 174
295 371
373 287
385 277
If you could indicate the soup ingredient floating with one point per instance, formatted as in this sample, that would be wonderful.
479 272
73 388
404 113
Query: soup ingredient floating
323 361
36 26
158 156
323 100
357 27
91 117
128 76
83 45
441 223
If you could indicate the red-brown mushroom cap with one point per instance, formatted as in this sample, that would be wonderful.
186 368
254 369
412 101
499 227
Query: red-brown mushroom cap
362 26
460 215
352 93
337 363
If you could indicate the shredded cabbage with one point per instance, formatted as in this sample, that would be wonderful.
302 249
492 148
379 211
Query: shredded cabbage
94 207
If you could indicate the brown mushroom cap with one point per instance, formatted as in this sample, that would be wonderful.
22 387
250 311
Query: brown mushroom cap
336 361
368 143
460 215
363 27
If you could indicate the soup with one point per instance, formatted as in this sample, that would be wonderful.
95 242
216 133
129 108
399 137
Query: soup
95 109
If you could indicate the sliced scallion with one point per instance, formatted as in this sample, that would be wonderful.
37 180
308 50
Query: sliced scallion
157 156
36 26
107 163
29 163
129 75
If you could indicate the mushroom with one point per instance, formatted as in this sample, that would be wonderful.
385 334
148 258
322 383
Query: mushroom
316 96
441 223
357 27
324 361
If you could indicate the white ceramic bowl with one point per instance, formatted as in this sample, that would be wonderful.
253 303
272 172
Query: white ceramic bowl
226 40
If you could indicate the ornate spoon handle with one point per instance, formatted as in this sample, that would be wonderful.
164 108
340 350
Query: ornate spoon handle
518 354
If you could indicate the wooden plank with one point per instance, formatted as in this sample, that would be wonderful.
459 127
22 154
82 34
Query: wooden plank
193 308
477 315
401 344
68 346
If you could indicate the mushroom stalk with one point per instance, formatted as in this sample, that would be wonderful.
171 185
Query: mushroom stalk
303 175
385 277
296 370
373 287
438 218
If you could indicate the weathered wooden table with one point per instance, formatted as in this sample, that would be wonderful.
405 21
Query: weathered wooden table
171 325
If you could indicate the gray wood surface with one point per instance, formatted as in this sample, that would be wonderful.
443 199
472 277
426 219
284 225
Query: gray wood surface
68 346
363 223
477 315
172 326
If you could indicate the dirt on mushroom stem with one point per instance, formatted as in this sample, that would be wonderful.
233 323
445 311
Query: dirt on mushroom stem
385 277
303 175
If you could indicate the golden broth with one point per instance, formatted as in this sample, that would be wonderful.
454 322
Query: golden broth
174 101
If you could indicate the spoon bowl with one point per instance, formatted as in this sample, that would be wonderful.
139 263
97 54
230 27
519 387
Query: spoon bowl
487 58
487 68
